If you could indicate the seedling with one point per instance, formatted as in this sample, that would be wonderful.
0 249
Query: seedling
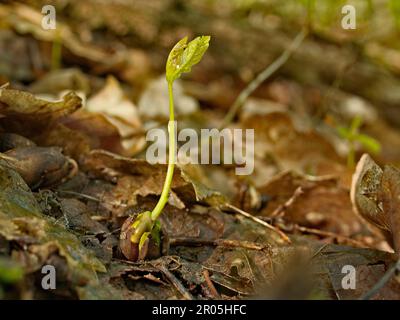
353 136
181 59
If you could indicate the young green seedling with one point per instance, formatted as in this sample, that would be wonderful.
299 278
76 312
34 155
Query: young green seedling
353 136
181 59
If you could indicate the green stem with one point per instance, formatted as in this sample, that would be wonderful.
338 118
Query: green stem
351 156
171 158
261 77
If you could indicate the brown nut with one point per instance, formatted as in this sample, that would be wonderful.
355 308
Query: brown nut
40 166
10 141
130 250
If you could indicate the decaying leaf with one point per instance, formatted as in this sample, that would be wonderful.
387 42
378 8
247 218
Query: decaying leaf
22 221
294 148
369 265
40 166
58 81
121 112
20 108
24 104
316 202
154 104
137 178
375 194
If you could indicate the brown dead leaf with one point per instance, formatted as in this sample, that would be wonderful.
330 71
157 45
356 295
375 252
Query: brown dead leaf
154 102
56 124
21 220
96 130
293 148
370 266
40 166
375 196
58 81
24 104
135 178
121 112
81 132
322 203
391 202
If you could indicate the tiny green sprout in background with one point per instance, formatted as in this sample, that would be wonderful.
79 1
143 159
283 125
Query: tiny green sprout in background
394 6
10 273
353 136
181 59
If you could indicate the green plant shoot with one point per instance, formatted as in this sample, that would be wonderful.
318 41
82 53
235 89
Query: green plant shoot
353 136
181 59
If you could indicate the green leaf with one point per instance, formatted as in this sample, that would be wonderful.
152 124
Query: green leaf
355 124
143 239
343 132
372 145
10 271
137 221
184 56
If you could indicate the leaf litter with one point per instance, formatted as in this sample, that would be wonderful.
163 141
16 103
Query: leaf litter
73 168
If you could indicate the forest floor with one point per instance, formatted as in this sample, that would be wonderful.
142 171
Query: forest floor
76 104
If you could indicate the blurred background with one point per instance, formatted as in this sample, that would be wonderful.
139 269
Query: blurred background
334 95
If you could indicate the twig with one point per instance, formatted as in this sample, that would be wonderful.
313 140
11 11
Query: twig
329 234
381 283
258 220
253 277
176 283
261 77
4 85
216 242
88 197
282 208
320 249
210 285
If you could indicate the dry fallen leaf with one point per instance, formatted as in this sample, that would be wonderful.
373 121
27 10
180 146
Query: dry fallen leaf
24 104
278 136
375 195
153 103
24 113
121 112
135 178
316 202
22 221
40 166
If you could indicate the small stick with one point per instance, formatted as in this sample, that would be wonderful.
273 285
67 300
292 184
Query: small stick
176 283
210 285
5 85
329 234
216 242
261 77
320 249
282 208
88 197
258 220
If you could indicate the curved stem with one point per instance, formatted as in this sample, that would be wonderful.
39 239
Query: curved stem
171 159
